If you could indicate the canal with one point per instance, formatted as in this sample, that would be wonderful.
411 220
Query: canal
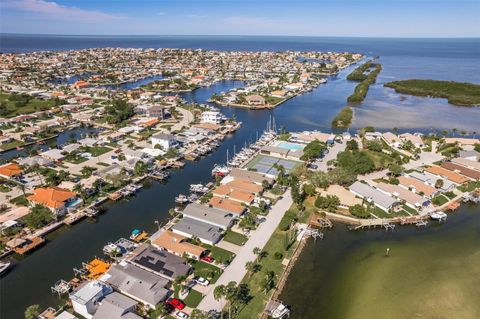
32 276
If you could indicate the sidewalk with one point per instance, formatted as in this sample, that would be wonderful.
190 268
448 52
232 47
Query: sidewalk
236 270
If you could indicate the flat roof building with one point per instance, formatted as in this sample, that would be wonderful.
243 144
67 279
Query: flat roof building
209 215
381 200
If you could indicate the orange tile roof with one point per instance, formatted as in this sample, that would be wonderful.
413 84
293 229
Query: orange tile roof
452 176
234 193
149 122
419 186
53 197
227 205
222 190
176 243
245 185
10 169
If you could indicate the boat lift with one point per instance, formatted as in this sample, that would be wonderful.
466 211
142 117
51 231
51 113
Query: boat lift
61 287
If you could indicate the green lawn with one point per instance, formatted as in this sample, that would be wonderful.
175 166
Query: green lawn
440 200
98 150
20 200
259 299
205 270
193 299
235 238
11 145
5 189
24 104
468 187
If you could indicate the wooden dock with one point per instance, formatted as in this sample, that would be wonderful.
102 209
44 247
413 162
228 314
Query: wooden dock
30 245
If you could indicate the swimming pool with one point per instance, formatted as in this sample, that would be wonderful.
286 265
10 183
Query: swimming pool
290 146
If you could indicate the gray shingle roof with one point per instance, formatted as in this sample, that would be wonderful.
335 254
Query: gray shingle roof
210 215
142 285
375 195
161 262
199 229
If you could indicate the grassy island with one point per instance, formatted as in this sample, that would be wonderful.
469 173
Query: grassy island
344 118
366 74
457 93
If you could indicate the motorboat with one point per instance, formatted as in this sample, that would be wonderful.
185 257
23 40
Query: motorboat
440 216
111 249
280 311
4 266
198 188
181 199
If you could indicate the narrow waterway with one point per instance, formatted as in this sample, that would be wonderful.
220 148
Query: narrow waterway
430 273
32 276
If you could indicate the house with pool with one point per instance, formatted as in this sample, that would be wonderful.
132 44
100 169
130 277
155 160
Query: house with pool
58 200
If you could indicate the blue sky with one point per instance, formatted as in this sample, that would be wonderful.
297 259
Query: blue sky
375 18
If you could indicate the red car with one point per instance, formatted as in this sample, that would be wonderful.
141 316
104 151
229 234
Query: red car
207 259
175 303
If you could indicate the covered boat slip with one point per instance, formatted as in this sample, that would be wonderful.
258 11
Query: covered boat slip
265 164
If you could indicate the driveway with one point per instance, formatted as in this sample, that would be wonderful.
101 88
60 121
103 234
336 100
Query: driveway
332 154
236 270
426 158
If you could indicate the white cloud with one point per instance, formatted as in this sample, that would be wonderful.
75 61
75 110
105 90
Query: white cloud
58 11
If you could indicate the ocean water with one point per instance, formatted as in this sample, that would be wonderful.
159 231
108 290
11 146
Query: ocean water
440 59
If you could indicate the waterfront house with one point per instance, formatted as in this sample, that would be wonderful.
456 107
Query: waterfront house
371 136
165 141
227 205
462 141
245 185
116 306
178 245
160 262
85 299
255 100
379 199
155 111
239 195
10 170
473 174
468 163
137 283
411 199
209 215
56 199
71 147
206 233
88 142
415 139
417 186
251 176
136 155
53 154
444 173
391 139
431 179
35 160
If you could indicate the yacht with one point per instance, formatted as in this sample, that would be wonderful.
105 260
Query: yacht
181 199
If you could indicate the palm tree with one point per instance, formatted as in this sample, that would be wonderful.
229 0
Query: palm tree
256 251
219 293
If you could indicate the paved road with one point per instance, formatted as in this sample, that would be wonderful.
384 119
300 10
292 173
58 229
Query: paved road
236 270
426 158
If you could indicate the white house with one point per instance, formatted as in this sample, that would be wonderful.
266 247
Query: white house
212 117
85 300
164 140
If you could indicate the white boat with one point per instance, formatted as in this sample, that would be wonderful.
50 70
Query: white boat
111 249
4 267
220 171
181 199
438 216
280 311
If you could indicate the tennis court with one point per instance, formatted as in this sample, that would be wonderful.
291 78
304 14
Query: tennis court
264 164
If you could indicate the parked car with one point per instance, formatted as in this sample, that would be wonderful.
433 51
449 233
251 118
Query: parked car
207 259
176 303
202 281
180 314
313 166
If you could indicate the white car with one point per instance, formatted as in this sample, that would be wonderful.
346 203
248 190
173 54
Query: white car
202 281
180 314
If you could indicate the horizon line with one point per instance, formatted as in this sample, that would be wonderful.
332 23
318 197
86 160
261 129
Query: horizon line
239 35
